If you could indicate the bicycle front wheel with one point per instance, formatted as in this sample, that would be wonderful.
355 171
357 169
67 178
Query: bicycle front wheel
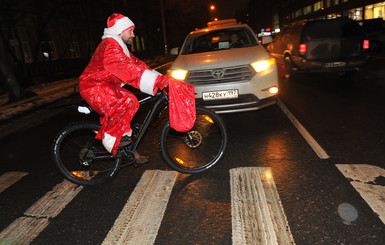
198 149
81 158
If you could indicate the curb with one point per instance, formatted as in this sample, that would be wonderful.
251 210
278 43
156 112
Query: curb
68 83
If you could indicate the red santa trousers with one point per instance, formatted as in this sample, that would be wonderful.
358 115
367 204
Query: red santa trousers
117 107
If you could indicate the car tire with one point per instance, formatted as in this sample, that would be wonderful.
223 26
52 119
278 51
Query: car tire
346 75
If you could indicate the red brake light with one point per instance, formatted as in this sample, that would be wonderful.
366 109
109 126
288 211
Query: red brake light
366 44
302 48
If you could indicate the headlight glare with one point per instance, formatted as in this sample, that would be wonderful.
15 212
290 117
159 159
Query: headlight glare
273 90
263 65
179 74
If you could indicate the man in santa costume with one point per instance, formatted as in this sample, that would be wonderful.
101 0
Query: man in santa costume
101 84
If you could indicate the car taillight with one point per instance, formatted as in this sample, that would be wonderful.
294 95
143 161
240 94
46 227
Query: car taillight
365 44
302 48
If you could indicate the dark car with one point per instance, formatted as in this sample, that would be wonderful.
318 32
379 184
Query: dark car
330 45
374 30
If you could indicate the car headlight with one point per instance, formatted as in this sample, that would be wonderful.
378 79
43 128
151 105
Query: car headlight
272 90
178 74
263 64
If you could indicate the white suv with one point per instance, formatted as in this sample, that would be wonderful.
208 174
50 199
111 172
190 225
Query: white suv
230 70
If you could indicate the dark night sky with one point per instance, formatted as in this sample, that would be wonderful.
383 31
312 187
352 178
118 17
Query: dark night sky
227 8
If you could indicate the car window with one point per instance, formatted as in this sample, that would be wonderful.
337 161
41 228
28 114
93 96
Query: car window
332 29
219 40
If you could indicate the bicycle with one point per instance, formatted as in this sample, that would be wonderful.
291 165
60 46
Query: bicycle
82 159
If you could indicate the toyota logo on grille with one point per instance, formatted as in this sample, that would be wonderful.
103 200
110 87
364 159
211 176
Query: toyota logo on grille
218 73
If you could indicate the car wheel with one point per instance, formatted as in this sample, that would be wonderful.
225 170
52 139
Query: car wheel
346 75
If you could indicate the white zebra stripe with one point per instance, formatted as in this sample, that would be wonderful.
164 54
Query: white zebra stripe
139 221
9 178
24 229
362 178
257 213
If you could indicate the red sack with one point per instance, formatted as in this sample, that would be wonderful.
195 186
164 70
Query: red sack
182 105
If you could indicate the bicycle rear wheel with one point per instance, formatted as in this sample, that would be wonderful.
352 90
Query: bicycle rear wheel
81 158
198 149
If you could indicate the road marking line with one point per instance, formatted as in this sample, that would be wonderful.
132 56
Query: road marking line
363 178
24 229
139 221
257 212
9 178
321 153
53 202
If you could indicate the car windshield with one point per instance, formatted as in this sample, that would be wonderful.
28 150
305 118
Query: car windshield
219 40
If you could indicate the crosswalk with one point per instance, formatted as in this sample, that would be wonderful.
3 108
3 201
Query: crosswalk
257 213
363 178
36 218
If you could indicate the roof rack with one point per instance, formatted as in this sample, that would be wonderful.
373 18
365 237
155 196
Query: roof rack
221 22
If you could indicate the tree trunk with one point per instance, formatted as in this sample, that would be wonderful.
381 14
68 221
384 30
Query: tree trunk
8 78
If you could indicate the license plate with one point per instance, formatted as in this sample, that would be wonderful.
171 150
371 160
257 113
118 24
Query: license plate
217 95
335 64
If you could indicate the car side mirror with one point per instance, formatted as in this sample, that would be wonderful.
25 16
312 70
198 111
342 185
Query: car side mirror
267 40
174 51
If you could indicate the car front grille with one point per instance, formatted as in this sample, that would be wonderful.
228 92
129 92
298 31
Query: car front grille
220 75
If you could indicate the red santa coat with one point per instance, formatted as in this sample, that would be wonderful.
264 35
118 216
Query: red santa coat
101 86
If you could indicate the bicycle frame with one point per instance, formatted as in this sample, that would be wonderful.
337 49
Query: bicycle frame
160 98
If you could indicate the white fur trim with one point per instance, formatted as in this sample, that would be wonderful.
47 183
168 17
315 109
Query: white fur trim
157 72
108 142
128 134
121 25
118 39
147 81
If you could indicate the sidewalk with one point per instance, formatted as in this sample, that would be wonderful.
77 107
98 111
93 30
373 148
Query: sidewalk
44 94
51 92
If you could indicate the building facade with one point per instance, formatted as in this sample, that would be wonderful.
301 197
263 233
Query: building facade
292 10
43 41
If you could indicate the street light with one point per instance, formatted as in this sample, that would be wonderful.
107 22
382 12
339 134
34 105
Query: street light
212 11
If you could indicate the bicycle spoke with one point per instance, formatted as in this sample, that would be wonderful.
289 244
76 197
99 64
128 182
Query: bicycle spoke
196 150
81 158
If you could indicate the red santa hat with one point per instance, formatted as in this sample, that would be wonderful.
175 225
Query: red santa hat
117 23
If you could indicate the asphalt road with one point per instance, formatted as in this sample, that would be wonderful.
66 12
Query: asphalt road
319 202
